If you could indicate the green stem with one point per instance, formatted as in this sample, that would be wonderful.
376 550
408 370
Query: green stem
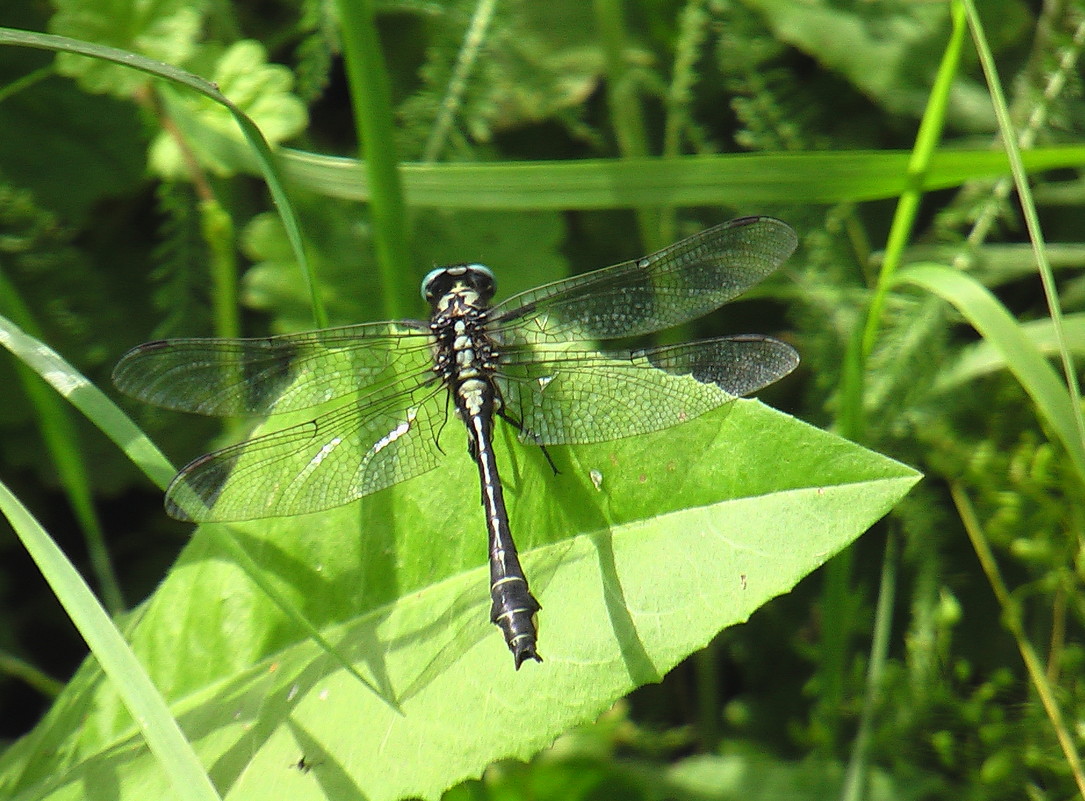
1028 208
1011 617
45 684
457 84
693 28
850 420
218 232
623 103
855 781
371 99
707 666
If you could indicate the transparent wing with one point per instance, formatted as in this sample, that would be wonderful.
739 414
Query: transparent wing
371 443
675 285
272 375
575 397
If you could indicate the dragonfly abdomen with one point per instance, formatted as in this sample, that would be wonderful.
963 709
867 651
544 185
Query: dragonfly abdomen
514 607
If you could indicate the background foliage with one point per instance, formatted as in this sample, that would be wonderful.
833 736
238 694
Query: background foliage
127 206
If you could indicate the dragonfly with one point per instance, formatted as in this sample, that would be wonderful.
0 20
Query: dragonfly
381 393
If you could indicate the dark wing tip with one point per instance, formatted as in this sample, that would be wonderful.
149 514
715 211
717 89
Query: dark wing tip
740 364
193 492
776 360
122 369
786 240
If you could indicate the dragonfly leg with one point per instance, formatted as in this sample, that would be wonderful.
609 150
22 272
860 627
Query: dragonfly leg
512 421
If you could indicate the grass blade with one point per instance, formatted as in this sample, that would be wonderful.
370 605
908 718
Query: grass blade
996 325
187 777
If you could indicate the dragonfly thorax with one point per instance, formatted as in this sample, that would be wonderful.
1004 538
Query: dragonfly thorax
474 282
463 350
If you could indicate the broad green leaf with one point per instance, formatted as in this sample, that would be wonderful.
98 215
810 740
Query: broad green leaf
640 550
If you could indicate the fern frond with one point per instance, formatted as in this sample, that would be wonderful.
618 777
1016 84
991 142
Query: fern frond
179 273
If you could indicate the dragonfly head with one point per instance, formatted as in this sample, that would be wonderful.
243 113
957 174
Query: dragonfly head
461 279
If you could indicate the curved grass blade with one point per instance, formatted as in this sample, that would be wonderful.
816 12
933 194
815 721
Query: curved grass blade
116 425
985 357
730 180
997 326
187 777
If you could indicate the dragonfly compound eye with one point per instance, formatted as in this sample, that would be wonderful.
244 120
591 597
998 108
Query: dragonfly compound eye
440 282
482 280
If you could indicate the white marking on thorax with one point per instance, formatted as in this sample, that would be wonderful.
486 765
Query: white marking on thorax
464 347
467 297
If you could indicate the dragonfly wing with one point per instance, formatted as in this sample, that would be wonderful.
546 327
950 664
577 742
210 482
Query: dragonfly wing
679 283
271 375
338 457
577 397
739 365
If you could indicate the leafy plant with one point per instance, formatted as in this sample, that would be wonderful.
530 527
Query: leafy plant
348 654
